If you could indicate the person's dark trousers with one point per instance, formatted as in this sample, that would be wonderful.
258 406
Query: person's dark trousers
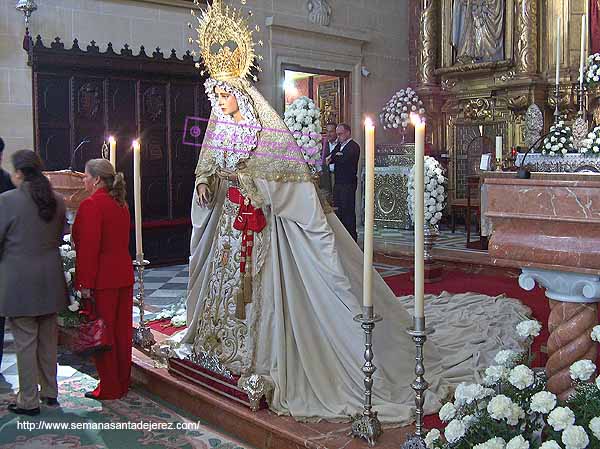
2 321
344 199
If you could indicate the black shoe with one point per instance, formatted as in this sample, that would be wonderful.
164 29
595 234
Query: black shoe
90 395
52 402
23 411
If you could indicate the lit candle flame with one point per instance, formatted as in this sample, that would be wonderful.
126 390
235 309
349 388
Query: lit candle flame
368 122
136 143
416 119
111 139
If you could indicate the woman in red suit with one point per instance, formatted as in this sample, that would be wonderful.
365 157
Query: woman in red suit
104 271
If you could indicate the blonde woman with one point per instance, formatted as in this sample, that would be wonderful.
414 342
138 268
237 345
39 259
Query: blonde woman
104 271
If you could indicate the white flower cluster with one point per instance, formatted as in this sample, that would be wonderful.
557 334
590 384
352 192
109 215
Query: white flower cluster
435 191
68 255
591 74
396 112
591 144
303 119
175 312
520 408
559 142
529 328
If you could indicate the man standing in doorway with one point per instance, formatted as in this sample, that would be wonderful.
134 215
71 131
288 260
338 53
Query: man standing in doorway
344 158
329 143
5 184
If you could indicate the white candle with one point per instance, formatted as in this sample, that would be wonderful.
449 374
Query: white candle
369 212
113 151
498 147
137 199
582 54
557 50
419 215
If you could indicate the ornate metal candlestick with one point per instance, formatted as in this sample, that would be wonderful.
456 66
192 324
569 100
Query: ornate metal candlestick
580 126
366 425
419 335
142 335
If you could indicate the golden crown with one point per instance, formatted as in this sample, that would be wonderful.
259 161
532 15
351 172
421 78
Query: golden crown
225 41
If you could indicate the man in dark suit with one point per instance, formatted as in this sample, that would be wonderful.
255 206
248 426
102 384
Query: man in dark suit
5 184
344 159
329 143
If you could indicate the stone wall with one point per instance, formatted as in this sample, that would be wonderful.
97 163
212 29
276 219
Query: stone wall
373 33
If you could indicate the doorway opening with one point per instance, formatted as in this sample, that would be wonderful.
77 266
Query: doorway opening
328 89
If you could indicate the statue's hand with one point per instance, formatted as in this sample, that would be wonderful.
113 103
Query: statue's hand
227 174
203 195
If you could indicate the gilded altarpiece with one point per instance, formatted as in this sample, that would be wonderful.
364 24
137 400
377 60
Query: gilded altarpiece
485 91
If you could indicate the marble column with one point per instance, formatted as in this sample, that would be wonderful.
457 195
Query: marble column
573 314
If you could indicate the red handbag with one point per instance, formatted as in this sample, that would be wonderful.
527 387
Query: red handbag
93 336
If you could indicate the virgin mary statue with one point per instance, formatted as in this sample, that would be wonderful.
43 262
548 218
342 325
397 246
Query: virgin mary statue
275 279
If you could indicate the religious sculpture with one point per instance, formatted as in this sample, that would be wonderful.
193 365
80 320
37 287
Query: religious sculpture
275 279
478 30
319 12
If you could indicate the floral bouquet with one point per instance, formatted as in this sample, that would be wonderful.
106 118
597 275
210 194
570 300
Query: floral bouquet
396 112
591 144
69 317
176 313
512 409
435 192
559 142
303 119
591 74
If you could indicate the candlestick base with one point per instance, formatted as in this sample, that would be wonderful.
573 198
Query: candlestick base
419 333
142 335
366 425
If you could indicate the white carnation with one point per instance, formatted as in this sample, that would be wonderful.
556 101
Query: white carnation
550 445
454 431
595 426
67 238
506 357
67 277
447 412
495 443
529 328
574 437
596 333
516 413
521 377
500 407
582 370
560 418
71 254
494 373
74 306
517 442
543 402
432 436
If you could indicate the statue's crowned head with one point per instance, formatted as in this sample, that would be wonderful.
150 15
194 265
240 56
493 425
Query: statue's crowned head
225 41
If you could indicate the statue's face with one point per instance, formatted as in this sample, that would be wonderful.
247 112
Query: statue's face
227 102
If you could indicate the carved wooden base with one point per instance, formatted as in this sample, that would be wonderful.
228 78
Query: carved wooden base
570 325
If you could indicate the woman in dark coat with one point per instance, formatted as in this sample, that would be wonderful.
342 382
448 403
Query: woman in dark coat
104 271
32 283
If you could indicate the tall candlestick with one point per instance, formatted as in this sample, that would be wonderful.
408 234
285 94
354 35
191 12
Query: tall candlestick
419 215
113 151
369 212
582 54
137 199
498 147
558 21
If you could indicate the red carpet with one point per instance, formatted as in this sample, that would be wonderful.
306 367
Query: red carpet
461 282
163 326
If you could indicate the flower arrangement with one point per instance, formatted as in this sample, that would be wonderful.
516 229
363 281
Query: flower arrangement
303 119
175 312
512 409
591 74
591 144
70 316
396 112
559 142
435 192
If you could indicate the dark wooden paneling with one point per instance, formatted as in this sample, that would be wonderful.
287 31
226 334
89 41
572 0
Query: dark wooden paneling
87 95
